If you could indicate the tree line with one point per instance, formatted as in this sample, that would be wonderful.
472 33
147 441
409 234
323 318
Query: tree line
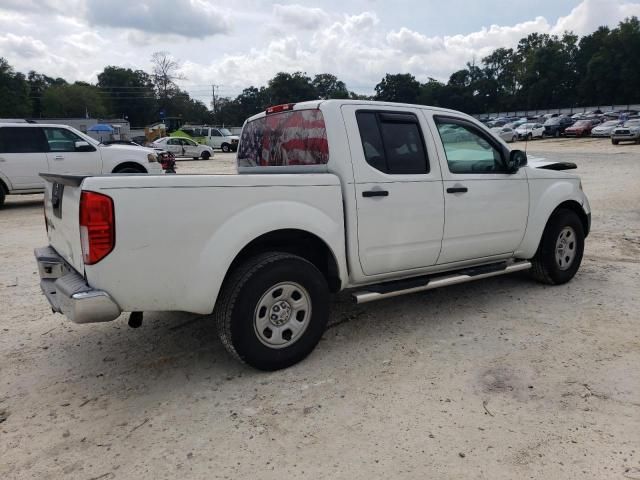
543 71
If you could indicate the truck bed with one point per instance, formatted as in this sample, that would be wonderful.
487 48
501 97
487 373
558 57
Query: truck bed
176 233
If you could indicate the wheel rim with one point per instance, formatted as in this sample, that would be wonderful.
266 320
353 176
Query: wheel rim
566 248
282 315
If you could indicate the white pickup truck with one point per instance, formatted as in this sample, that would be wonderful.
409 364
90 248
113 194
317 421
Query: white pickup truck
382 199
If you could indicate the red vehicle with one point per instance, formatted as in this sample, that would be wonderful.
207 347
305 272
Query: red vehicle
582 128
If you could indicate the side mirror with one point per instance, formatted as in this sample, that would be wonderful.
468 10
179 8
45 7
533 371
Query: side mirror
82 146
517 159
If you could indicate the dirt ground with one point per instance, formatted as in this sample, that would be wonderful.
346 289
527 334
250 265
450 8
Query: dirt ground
499 379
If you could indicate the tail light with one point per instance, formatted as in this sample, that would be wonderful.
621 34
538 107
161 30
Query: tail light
280 108
97 226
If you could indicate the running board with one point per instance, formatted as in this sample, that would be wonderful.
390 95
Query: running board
395 289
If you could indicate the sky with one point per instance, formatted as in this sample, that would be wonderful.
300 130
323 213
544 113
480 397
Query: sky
238 43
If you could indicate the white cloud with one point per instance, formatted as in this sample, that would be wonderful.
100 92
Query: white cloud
188 18
590 14
358 48
298 16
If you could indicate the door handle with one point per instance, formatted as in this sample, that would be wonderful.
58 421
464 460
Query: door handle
375 193
457 190
58 157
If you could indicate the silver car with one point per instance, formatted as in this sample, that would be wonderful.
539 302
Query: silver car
507 134
629 132
605 129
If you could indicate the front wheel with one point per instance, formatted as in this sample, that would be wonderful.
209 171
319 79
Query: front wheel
560 251
272 310
206 155
226 148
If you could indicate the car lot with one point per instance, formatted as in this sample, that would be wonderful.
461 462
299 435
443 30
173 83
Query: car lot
502 378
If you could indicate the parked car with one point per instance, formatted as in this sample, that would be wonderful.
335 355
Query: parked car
629 132
184 147
215 137
28 149
604 129
582 128
555 126
530 130
301 222
121 142
505 133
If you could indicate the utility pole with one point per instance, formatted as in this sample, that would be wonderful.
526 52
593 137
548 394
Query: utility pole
213 93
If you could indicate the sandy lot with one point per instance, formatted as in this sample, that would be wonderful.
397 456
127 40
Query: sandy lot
499 379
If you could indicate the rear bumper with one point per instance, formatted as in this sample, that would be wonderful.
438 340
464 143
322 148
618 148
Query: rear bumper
68 292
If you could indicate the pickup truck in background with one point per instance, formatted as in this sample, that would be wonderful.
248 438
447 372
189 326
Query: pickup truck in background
27 150
382 199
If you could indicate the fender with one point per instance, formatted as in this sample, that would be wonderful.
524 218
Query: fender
6 182
247 225
545 194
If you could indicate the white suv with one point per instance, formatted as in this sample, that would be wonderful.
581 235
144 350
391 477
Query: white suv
27 150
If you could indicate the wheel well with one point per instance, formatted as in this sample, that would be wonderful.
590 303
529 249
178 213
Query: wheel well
577 208
297 242
3 187
124 165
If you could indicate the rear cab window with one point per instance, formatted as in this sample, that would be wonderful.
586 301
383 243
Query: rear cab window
291 138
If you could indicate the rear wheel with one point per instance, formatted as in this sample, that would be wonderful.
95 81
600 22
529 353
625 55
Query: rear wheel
129 169
272 310
560 251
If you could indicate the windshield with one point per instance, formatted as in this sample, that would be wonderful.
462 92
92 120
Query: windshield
632 123
610 123
225 132
553 121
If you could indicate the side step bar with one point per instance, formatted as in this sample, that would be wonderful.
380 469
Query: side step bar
395 289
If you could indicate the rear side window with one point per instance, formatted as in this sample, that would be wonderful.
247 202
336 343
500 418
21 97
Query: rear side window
392 142
22 140
297 137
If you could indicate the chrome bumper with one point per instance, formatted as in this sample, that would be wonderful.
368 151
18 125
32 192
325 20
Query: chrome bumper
68 292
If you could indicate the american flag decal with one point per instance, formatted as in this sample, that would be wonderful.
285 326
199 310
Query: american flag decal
298 137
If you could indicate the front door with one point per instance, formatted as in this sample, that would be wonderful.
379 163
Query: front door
190 148
63 157
486 208
400 206
174 145
23 156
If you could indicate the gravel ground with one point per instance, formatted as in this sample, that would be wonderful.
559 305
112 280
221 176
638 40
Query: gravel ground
498 379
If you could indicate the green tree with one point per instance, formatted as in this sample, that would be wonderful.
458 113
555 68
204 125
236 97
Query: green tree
73 100
14 92
401 87
129 93
290 88
328 86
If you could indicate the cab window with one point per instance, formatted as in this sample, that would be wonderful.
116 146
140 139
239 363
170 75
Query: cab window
61 139
22 140
392 142
468 150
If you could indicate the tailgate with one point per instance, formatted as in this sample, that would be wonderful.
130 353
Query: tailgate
62 215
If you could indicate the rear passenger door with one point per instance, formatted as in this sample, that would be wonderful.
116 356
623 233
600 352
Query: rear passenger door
398 187
23 156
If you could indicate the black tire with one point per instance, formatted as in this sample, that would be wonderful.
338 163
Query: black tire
3 195
615 142
545 266
130 170
236 313
206 155
225 148
196 158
